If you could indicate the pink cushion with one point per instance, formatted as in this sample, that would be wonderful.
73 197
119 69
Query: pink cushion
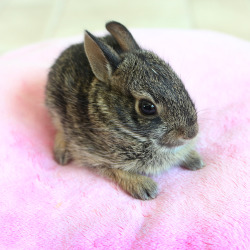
44 205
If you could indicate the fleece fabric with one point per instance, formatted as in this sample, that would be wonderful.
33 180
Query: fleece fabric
47 206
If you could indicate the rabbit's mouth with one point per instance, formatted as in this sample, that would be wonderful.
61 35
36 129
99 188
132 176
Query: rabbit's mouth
172 143
176 138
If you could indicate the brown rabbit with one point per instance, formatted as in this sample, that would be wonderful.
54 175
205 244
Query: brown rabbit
121 110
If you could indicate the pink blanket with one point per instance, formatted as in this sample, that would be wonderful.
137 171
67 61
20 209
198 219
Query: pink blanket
47 206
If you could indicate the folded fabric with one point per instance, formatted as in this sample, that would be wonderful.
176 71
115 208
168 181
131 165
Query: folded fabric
47 206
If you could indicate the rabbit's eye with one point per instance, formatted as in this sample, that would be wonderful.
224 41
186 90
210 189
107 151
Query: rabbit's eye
147 107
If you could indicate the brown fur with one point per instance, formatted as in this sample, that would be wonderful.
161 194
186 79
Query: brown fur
94 93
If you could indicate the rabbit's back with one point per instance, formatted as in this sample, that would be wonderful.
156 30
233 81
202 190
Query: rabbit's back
72 94
70 79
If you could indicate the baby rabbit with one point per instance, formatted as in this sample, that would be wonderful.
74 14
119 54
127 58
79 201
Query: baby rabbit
121 110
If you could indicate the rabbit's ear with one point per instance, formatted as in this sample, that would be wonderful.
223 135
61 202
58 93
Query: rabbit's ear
103 60
122 36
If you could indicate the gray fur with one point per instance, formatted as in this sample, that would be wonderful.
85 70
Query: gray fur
93 93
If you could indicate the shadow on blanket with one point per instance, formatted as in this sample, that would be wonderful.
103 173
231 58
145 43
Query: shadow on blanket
43 205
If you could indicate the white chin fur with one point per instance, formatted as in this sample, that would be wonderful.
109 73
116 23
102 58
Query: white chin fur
165 157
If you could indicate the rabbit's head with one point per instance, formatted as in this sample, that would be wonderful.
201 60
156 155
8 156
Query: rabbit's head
141 95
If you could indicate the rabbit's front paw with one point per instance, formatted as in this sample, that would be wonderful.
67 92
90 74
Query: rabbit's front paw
193 161
138 186
143 188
